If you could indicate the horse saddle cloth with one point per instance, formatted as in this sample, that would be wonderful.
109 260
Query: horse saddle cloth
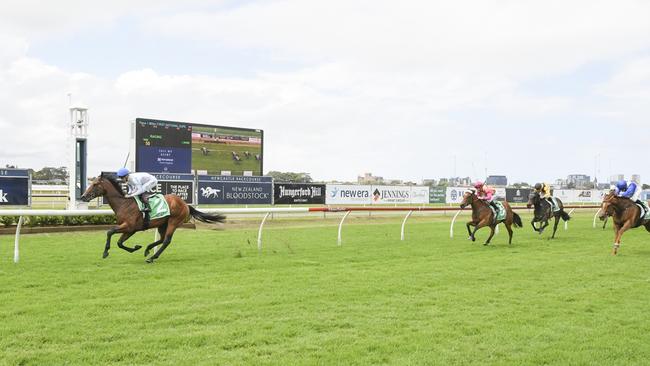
501 212
555 207
645 211
158 204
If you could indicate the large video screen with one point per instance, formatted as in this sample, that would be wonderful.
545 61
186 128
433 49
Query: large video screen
181 147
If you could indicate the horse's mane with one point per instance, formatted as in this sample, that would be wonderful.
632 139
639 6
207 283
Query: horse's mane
113 180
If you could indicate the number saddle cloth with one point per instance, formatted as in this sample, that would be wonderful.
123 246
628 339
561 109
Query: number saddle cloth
501 213
158 204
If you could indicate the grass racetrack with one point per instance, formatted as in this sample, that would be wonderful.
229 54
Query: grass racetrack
211 299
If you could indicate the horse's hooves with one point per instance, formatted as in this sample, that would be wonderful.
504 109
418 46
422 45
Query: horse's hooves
105 255
149 260
146 253
137 247
486 243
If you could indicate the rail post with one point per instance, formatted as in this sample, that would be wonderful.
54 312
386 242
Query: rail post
341 227
17 240
259 233
595 216
566 223
451 228
404 223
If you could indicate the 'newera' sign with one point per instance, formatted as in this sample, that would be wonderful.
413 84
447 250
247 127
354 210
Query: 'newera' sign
348 194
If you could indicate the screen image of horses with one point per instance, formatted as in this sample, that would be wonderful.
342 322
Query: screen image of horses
217 149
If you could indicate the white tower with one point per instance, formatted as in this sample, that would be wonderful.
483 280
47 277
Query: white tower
78 153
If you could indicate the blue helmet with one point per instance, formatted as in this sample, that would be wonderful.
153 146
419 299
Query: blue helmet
621 185
122 172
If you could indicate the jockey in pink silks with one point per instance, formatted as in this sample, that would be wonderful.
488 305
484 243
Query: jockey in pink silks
486 193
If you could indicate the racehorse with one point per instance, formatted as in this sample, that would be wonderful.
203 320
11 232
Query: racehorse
482 215
625 215
544 212
130 220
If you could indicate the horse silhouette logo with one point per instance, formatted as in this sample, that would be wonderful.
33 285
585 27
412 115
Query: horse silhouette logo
209 192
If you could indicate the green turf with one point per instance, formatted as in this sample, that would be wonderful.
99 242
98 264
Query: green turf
220 158
211 299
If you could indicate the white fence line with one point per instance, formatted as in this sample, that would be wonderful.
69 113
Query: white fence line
22 213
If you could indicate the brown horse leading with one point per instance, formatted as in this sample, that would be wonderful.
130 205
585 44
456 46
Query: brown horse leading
130 220
482 215
625 215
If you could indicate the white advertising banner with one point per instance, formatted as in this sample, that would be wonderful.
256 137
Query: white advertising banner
347 194
399 194
455 194
578 195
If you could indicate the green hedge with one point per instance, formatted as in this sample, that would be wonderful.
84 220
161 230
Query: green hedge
33 221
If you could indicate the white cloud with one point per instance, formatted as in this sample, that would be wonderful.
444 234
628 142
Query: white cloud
397 89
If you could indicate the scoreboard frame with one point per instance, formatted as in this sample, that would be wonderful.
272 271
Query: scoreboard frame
136 164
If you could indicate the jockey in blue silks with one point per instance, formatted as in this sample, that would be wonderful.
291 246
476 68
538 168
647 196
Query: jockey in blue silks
631 191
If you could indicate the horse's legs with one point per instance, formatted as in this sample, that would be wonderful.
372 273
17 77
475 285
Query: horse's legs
469 231
109 234
619 234
161 231
125 237
533 224
541 229
557 220
491 234
509 228
472 235
168 239
605 222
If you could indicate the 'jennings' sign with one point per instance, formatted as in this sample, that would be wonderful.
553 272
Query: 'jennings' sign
298 193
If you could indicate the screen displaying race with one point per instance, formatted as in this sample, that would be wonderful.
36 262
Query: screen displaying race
180 147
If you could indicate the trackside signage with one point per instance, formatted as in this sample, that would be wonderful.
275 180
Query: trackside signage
234 189
455 194
15 187
437 195
298 193
517 195
343 194
181 185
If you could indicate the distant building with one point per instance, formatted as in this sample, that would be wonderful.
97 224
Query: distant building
460 182
579 181
429 182
368 178
615 178
497 180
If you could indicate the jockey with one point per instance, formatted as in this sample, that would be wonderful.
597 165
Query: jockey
140 184
631 191
486 193
544 190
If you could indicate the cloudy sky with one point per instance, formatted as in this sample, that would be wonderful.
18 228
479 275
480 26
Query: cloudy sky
535 90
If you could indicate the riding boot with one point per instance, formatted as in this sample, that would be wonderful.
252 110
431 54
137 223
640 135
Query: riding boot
496 210
145 200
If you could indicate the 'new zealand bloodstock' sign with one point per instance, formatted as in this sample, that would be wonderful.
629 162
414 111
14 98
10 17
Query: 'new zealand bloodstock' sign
14 187
237 190
181 185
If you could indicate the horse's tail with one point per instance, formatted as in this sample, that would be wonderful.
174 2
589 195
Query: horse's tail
207 218
565 216
517 219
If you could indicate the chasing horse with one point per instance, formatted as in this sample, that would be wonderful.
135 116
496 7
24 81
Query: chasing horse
130 219
626 210
483 215
545 209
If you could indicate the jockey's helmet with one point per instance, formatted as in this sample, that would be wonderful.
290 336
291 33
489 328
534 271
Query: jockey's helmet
538 186
622 185
122 172
478 184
